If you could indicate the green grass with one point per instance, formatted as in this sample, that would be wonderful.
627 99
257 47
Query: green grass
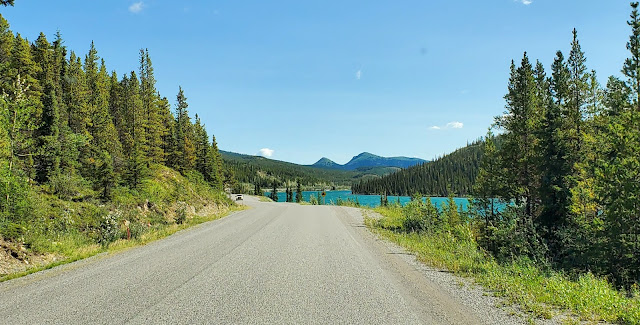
542 293
81 252
77 229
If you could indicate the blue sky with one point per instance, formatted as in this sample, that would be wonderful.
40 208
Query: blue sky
307 79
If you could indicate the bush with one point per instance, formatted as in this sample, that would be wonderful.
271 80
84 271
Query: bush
15 195
137 229
514 237
70 186
181 213
419 216
109 230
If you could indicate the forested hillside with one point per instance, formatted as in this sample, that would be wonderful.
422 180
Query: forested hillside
455 173
76 137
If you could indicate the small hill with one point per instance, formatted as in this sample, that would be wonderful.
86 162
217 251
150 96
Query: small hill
326 163
368 160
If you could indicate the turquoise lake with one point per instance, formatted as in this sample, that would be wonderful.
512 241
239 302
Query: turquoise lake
366 200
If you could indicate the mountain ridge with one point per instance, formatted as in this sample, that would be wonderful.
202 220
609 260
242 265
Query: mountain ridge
367 159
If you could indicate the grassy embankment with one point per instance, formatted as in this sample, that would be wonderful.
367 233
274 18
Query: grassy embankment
542 293
77 227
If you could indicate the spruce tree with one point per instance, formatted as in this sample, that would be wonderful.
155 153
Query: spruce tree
47 159
631 67
553 166
134 143
215 174
298 192
274 191
183 155
203 162
75 97
521 123
155 128
576 106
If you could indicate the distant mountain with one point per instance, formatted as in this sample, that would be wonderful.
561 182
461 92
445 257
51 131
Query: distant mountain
326 163
251 169
366 159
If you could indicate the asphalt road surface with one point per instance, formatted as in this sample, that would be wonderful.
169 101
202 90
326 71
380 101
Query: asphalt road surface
276 263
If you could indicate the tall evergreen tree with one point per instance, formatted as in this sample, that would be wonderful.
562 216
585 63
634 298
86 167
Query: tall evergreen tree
203 158
521 123
298 192
274 191
155 129
134 120
183 155
576 106
6 46
553 166
631 67
47 158
215 174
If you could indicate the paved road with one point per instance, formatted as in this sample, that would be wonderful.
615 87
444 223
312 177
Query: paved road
275 263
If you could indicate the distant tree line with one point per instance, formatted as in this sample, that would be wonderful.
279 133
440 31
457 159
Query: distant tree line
64 119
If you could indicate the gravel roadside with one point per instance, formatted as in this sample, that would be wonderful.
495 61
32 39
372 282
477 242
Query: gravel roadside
491 309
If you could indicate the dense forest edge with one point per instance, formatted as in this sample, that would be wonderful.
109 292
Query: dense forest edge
554 220
90 158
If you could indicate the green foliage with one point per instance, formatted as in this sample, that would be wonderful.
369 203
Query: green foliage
298 191
70 186
274 192
313 200
569 167
419 216
348 203
539 291
109 229
181 214
81 152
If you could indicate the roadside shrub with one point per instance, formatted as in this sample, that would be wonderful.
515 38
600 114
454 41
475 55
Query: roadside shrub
419 216
313 200
15 195
181 213
70 186
136 229
109 230
515 237
12 230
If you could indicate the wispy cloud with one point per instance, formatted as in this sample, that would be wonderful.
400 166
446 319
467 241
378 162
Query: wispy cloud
266 152
358 74
525 2
136 7
450 125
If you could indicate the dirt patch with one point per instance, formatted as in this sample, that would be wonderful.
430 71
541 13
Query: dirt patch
15 257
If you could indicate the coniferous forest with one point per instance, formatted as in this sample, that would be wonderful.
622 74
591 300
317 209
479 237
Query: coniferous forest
79 141
454 174
569 162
